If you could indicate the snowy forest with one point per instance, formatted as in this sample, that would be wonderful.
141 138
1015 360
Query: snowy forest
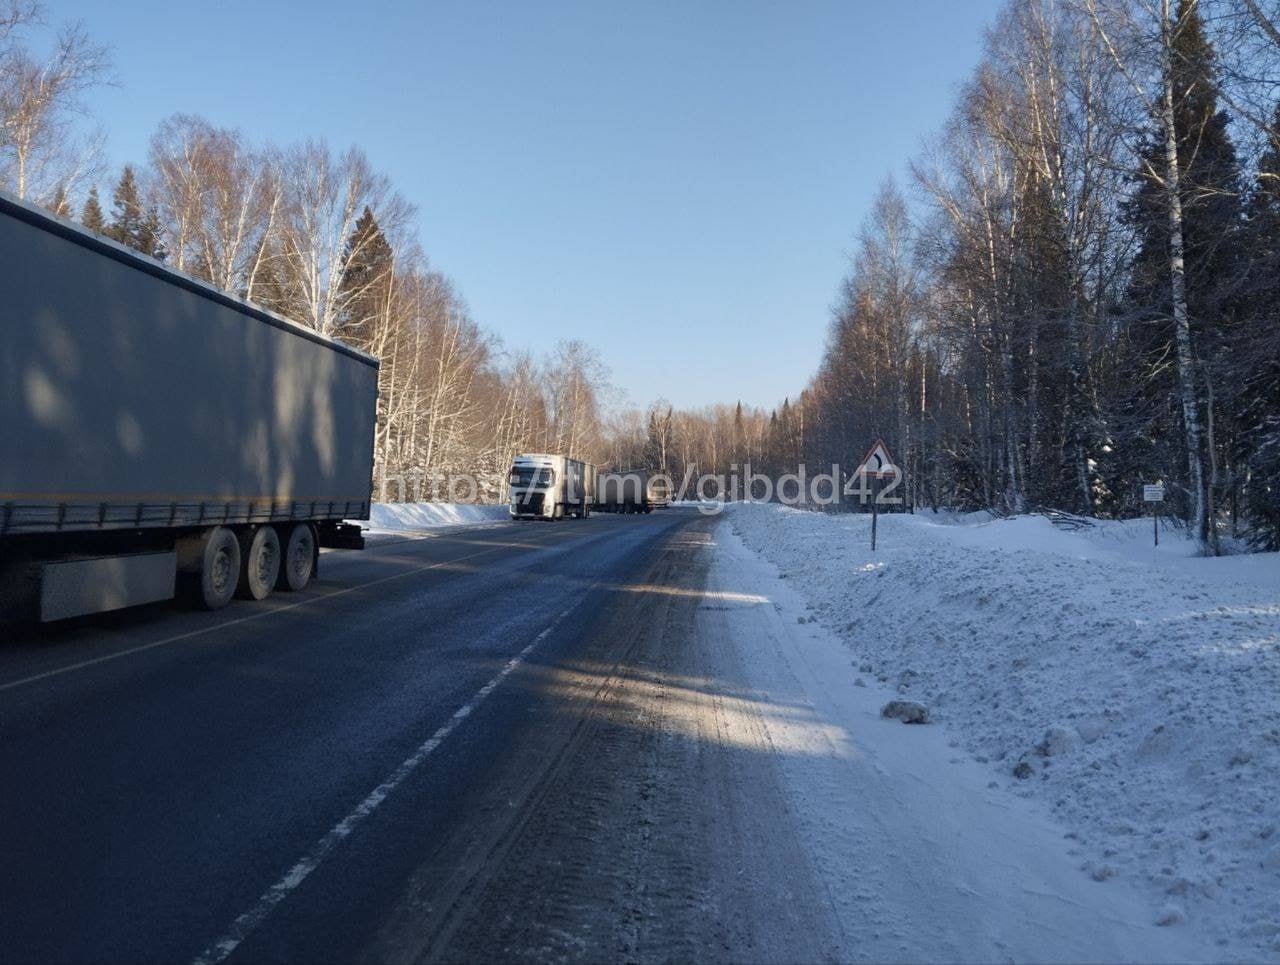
1073 290
1088 297
1077 291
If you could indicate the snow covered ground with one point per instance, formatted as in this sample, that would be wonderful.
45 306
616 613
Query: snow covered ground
414 517
1129 696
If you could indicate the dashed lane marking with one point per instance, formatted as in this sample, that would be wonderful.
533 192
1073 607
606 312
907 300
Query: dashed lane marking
245 925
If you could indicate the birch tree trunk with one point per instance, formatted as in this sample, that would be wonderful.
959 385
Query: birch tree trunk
1178 287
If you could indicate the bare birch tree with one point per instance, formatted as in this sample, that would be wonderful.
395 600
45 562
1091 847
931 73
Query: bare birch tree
42 149
323 195
1139 37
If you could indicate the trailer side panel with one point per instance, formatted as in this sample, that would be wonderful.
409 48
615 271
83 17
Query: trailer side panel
129 398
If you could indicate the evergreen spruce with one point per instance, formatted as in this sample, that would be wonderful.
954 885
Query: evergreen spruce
91 215
151 239
131 224
365 285
1148 423
127 218
1259 352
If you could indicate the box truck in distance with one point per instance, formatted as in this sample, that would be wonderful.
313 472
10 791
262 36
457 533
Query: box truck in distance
156 432
544 486
632 491
623 492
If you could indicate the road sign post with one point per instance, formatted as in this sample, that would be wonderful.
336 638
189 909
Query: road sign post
878 464
1154 494
875 514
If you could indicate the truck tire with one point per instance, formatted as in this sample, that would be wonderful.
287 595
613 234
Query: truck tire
297 562
219 568
259 563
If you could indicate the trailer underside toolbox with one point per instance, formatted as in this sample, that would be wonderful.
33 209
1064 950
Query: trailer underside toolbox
72 588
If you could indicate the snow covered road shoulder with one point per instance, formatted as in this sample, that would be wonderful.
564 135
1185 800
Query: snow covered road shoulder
1108 739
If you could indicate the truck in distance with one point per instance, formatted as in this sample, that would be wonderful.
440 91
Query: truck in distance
658 491
159 431
631 491
545 486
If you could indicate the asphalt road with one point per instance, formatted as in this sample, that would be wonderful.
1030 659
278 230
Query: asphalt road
464 746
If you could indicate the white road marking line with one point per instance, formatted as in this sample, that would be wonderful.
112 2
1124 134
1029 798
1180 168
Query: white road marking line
231 623
243 926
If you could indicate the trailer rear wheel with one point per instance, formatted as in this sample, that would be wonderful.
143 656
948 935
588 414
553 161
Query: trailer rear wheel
219 568
297 563
259 563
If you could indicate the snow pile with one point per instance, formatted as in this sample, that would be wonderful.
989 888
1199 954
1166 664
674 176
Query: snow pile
1137 692
411 517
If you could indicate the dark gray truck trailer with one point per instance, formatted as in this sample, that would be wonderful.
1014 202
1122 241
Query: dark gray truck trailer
156 432
623 492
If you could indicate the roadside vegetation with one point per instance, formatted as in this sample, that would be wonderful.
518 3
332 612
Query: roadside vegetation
1074 289
316 234
1069 293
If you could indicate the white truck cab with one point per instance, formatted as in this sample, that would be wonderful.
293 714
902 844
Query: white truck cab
545 486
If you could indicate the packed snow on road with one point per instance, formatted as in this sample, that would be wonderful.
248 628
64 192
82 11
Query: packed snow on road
1130 695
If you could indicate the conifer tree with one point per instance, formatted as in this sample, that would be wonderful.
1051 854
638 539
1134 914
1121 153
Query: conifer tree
91 215
1258 352
365 285
151 236
1151 414
128 220
131 224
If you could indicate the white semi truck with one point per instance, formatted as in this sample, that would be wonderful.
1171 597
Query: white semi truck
545 486
156 431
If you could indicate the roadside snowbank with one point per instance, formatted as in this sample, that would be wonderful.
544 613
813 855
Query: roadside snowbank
922 856
1136 691
412 517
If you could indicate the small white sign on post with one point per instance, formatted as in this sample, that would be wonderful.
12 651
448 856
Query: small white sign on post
1154 494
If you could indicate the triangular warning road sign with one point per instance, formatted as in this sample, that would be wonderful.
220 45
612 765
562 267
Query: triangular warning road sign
878 463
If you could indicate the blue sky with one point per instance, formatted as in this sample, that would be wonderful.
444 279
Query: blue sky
677 183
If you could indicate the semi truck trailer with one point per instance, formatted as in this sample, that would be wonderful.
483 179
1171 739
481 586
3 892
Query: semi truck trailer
632 491
544 486
157 433
623 492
